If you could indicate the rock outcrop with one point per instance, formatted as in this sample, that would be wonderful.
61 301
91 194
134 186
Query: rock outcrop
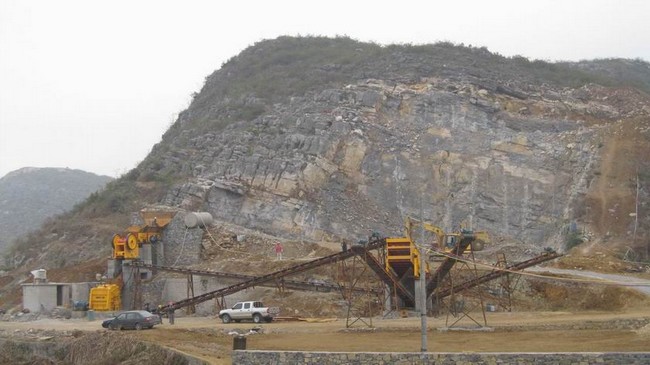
509 156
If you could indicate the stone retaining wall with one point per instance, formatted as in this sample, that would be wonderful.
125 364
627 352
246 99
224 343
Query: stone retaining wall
241 357
624 324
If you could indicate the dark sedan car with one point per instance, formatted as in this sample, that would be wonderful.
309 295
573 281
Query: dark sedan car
107 322
132 319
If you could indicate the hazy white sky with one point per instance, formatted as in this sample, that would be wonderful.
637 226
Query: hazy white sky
93 85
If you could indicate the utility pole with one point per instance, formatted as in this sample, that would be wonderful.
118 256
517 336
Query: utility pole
636 214
423 283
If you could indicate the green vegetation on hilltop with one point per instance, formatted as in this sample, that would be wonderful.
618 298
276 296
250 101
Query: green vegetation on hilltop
273 70
298 65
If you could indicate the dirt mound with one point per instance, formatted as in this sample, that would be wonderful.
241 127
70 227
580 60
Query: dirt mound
576 296
227 242
600 258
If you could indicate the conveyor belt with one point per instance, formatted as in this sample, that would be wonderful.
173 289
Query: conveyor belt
448 263
547 256
385 276
290 284
372 245
361 251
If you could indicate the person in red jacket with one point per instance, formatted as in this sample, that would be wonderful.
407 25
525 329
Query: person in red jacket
278 251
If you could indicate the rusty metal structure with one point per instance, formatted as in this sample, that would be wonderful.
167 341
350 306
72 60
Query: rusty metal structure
498 272
279 275
400 294
464 291
445 266
501 289
279 284
190 309
399 290
363 301
461 304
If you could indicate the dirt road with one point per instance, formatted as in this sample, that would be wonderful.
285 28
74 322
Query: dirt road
641 285
208 338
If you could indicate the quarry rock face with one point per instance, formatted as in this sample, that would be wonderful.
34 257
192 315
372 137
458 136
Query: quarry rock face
330 139
341 162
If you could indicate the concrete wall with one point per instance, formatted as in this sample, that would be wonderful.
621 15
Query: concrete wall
43 296
113 268
128 281
240 357
180 246
146 254
81 291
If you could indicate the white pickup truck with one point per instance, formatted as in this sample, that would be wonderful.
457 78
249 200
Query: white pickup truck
248 310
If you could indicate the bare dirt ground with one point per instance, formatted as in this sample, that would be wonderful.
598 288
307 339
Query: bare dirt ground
209 339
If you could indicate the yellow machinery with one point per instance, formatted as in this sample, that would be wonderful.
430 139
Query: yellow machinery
451 239
105 297
447 241
403 255
127 246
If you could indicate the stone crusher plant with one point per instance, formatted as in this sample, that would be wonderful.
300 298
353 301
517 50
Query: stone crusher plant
127 245
105 297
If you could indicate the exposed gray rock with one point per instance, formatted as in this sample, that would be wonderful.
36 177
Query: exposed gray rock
337 165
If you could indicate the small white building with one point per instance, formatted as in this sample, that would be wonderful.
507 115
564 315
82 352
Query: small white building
43 297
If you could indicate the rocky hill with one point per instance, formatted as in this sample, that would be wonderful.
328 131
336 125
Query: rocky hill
323 139
29 196
327 139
